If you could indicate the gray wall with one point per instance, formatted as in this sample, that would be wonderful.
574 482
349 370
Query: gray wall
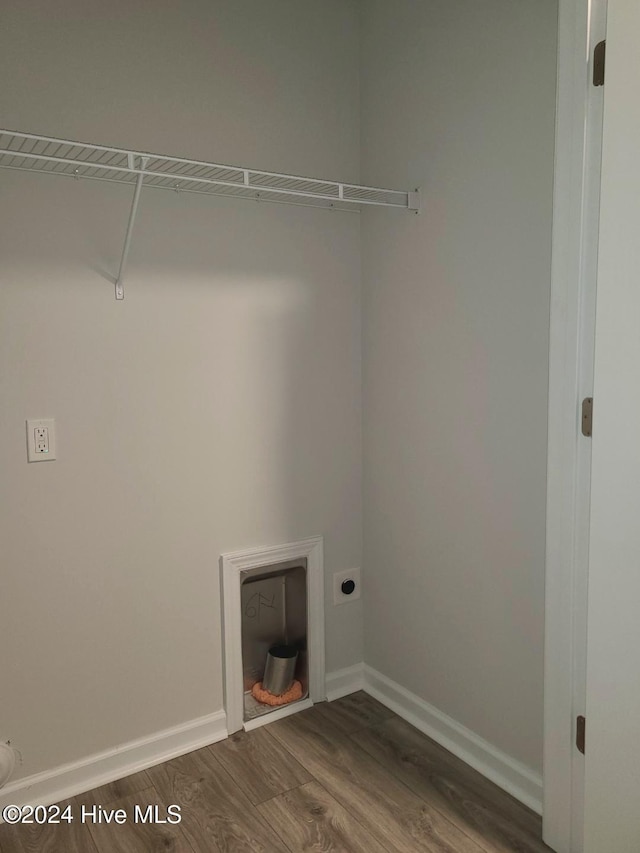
218 406
459 99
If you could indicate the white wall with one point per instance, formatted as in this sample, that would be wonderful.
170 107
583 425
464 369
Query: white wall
612 756
459 99
218 406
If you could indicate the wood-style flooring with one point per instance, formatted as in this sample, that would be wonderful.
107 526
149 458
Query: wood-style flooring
349 777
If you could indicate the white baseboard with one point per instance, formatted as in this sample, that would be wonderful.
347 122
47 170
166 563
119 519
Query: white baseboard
510 775
68 780
344 681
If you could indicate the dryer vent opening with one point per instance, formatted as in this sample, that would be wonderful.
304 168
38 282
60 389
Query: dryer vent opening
273 613
274 637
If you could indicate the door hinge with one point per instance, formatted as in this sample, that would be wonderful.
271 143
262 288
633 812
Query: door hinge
587 416
598 63
581 723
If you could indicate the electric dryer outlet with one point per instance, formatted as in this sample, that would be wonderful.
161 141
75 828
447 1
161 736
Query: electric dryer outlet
347 586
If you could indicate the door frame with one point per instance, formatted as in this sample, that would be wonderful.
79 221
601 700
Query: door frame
581 24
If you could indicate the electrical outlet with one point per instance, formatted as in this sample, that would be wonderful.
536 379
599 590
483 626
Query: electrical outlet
346 586
41 439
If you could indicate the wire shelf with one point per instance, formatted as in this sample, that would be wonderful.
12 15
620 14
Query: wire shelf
33 153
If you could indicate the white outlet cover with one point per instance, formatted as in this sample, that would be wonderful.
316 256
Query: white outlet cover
339 578
32 425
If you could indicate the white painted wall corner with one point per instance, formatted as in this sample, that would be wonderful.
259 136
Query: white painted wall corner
342 682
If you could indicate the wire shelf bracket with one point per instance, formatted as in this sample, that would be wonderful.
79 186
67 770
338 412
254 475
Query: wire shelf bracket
132 218
33 153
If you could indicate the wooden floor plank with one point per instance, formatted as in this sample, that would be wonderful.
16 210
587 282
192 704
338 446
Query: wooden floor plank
135 836
496 797
354 712
310 819
259 765
217 816
404 822
498 823
125 787
342 776
4 834
9 841
396 736
61 837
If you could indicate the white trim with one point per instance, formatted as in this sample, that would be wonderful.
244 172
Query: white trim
234 563
511 775
68 780
342 682
573 275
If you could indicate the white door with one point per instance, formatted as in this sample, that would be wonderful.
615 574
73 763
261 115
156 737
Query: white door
582 25
612 759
